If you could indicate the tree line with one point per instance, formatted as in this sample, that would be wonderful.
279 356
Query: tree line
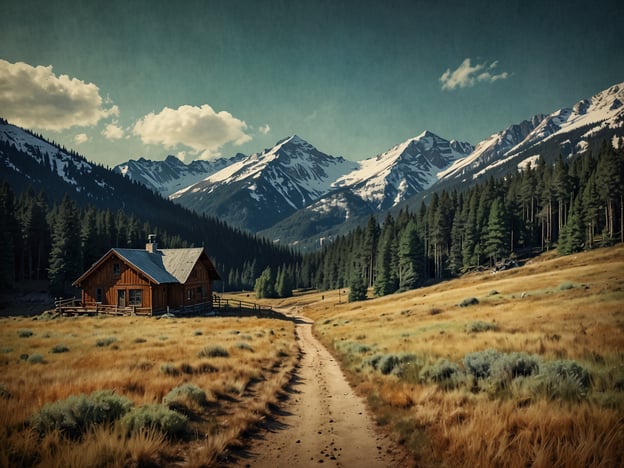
573 206
58 241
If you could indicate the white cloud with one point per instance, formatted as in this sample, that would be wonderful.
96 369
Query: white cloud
113 131
467 75
199 128
34 97
264 129
81 138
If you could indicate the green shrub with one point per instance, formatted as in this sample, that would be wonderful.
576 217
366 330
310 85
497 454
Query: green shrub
197 333
469 301
59 348
187 395
139 340
35 359
169 369
25 333
351 347
565 286
563 379
442 372
76 414
388 363
245 347
479 363
105 341
479 326
159 417
214 351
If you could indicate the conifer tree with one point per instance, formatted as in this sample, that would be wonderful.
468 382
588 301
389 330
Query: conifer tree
65 255
386 278
264 287
411 251
8 235
572 236
496 245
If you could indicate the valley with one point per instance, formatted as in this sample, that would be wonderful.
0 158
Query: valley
270 386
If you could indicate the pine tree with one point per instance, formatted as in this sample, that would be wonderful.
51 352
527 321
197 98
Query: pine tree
496 245
572 236
8 236
411 251
65 255
386 278
264 287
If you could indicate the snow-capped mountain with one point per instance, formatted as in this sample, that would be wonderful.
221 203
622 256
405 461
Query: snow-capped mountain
171 175
403 170
568 131
259 190
28 160
294 193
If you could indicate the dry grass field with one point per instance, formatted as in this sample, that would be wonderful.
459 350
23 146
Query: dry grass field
528 371
92 391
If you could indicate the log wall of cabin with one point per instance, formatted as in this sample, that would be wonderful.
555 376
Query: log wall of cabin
107 278
198 286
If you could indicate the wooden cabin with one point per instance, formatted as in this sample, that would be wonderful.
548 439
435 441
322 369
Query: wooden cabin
150 281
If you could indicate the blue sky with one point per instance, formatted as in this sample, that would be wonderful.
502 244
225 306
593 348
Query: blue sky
123 79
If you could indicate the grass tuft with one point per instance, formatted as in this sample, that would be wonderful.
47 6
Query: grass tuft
214 351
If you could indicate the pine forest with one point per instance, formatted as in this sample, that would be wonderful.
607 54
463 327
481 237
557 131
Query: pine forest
574 206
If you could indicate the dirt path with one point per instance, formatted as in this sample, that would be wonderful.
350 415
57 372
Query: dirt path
323 421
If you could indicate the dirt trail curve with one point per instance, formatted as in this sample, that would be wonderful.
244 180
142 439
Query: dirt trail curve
323 421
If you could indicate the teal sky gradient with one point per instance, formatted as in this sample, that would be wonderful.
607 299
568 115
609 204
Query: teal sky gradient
353 78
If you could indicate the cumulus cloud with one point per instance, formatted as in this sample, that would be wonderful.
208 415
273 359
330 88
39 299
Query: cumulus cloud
467 75
199 128
112 131
81 138
35 97
264 129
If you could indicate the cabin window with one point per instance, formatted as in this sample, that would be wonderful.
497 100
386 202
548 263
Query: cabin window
99 295
135 297
116 269
189 295
200 292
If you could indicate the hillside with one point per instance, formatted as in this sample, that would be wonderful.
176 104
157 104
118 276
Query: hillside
547 337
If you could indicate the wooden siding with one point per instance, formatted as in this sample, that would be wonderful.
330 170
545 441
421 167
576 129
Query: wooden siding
106 278
112 279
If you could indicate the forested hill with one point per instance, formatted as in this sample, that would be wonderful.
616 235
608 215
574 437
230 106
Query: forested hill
573 206
37 174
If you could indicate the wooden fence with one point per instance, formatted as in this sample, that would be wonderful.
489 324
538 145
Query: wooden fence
74 306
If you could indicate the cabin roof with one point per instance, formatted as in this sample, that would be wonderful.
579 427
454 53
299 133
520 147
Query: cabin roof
163 266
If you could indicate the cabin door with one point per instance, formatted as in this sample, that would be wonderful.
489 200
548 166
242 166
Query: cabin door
121 298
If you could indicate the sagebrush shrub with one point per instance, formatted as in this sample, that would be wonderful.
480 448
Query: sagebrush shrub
101 342
76 414
479 326
25 333
188 395
59 348
214 351
245 347
468 302
169 369
388 363
479 363
440 372
36 359
563 379
155 416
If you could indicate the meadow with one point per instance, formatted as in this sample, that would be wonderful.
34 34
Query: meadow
136 391
524 367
